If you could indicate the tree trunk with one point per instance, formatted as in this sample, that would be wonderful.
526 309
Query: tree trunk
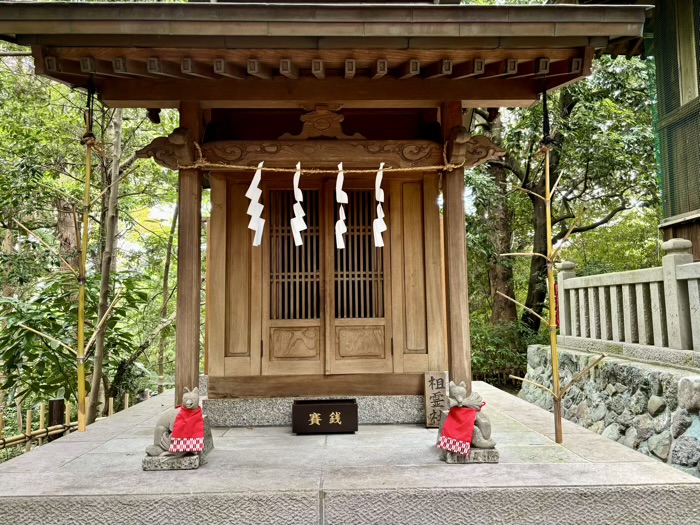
500 235
166 298
110 228
537 288
67 232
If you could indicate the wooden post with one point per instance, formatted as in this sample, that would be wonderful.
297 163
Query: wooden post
111 407
28 431
42 420
126 401
66 421
189 268
458 340
57 409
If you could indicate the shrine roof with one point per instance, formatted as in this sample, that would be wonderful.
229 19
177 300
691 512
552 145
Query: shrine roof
273 54
40 22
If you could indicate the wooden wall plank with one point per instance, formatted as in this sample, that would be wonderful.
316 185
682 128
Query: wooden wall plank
394 223
434 291
216 275
414 268
238 272
317 385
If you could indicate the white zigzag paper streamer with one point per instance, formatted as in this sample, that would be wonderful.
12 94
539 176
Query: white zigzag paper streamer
298 223
255 209
378 225
341 198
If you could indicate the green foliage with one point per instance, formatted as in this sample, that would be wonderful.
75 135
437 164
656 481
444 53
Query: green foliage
500 348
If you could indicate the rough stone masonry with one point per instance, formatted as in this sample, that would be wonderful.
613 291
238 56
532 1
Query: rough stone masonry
650 408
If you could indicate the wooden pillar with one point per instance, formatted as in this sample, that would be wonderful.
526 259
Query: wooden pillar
458 340
189 268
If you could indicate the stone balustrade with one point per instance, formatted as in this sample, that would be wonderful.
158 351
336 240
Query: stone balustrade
657 307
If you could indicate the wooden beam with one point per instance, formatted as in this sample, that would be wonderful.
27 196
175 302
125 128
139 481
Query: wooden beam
443 68
258 69
156 66
56 65
538 67
458 341
566 67
380 69
409 69
227 69
470 68
196 69
92 66
318 69
350 69
120 92
317 385
189 269
501 68
289 69
125 66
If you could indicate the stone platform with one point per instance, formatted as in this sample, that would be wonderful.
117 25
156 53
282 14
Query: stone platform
384 474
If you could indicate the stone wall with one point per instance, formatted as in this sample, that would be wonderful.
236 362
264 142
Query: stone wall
651 408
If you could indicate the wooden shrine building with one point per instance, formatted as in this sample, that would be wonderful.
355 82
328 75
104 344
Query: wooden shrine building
320 84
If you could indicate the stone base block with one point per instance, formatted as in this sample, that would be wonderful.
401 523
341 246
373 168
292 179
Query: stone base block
476 455
172 462
277 411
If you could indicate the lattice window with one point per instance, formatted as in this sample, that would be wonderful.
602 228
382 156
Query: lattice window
295 271
359 268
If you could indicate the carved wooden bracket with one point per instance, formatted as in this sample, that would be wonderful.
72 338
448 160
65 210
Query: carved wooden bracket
323 121
173 151
472 150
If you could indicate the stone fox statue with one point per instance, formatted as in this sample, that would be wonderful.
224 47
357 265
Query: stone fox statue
164 427
481 438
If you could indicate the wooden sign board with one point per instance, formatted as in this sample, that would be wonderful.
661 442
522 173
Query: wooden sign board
332 416
435 397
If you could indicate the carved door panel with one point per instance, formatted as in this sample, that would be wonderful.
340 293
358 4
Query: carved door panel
293 331
358 308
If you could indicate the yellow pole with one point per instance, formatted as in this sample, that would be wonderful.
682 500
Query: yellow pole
81 283
556 384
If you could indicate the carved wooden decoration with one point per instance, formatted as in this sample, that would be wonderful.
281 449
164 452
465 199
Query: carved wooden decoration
173 151
472 150
323 121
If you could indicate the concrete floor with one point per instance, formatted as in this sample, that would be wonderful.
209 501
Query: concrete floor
384 474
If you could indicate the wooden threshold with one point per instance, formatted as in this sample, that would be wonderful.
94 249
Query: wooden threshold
316 385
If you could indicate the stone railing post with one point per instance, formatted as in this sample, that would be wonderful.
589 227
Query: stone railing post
566 271
678 251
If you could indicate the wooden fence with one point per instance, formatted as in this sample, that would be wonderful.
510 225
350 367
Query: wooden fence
43 433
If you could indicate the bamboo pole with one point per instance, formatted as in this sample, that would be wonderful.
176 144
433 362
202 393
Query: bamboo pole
111 407
21 439
42 420
556 382
28 431
88 140
126 400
